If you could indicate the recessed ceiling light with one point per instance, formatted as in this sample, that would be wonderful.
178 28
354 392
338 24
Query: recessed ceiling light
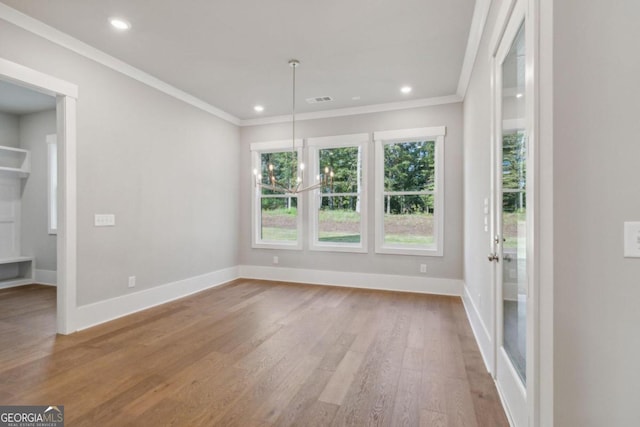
356 98
120 24
405 89
519 95
258 108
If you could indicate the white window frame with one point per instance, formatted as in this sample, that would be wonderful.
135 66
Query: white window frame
52 184
314 145
383 138
257 149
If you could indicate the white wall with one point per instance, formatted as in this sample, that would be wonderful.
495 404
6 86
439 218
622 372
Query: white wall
160 165
449 266
477 186
596 152
34 232
9 133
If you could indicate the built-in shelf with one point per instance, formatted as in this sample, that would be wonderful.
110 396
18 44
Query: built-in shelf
15 161
16 271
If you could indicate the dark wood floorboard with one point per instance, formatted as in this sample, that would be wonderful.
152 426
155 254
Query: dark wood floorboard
253 353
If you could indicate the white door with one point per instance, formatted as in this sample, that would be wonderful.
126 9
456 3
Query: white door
513 199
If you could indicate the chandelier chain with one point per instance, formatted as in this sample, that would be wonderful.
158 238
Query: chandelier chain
296 165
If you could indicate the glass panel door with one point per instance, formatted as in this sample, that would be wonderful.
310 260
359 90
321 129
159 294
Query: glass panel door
513 212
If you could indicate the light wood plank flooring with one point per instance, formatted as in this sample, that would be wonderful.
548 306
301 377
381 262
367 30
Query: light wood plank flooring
253 353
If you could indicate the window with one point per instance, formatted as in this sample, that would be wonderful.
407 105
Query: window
338 209
52 174
409 191
276 217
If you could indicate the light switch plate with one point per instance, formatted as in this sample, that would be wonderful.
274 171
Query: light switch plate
632 239
104 220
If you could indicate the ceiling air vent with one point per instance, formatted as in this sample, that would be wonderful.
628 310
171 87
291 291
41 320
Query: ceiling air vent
319 99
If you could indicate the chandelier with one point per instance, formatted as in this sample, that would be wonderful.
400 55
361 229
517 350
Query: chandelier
291 186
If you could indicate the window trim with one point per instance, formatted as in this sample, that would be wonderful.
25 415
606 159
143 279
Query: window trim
314 145
381 138
257 149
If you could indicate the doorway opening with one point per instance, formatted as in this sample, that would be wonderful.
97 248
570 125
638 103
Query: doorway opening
37 193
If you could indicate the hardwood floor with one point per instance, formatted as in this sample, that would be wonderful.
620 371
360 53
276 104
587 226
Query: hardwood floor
253 353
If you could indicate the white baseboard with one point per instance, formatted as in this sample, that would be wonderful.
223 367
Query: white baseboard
15 283
480 331
104 311
509 386
46 277
387 282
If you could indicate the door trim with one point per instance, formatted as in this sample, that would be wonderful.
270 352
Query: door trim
66 95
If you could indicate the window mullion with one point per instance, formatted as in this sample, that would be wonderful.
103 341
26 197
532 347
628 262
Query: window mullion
409 193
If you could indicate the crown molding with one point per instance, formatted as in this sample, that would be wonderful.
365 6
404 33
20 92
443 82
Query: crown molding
478 23
366 109
58 37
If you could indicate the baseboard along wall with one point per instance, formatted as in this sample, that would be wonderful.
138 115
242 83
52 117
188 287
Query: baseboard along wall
46 277
387 282
480 330
104 311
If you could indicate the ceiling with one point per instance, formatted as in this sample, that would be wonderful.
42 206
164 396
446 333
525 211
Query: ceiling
19 100
233 54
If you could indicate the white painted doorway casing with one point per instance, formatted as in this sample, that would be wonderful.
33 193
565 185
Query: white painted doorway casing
66 96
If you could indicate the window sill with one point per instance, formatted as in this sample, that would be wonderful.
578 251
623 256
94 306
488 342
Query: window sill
391 250
338 248
281 246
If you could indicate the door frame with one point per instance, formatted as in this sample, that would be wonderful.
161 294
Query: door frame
66 97
510 17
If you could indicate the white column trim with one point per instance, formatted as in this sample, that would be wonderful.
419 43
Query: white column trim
67 215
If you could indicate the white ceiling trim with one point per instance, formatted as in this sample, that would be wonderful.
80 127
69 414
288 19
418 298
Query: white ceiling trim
478 21
367 109
43 30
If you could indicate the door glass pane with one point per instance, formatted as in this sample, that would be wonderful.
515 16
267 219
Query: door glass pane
514 220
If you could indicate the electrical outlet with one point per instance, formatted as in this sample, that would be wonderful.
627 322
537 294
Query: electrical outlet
423 268
132 281
275 260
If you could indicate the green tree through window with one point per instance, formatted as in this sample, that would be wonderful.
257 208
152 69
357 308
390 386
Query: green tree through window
409 192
